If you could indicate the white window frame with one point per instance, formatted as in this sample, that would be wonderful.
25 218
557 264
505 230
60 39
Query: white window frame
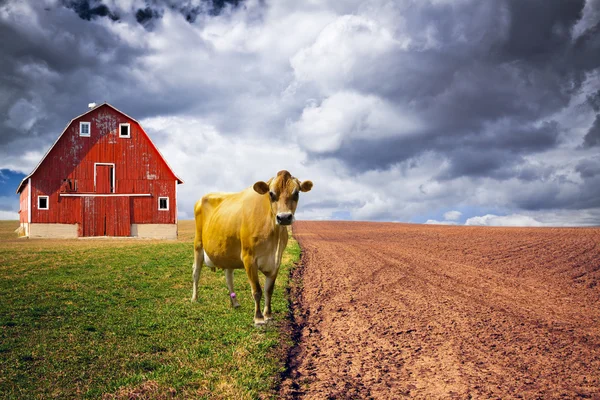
47 202
89 130
128 131
163 209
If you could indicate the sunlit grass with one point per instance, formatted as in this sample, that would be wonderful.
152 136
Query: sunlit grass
110 318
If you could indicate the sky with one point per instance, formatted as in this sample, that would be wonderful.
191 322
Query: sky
425 111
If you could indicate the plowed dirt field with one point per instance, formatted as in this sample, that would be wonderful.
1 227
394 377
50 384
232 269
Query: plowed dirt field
389 310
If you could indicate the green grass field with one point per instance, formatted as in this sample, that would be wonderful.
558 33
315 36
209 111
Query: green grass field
112 319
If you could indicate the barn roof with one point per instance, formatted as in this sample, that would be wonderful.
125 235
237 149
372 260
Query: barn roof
22 184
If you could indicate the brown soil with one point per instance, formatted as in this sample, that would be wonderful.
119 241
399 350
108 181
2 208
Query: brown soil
397 310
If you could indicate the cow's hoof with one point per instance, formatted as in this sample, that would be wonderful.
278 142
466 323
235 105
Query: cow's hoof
194 299
234 300
259 322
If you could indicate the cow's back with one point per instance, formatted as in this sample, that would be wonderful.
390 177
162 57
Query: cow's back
207 204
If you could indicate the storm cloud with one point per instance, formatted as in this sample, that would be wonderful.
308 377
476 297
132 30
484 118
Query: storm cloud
401 111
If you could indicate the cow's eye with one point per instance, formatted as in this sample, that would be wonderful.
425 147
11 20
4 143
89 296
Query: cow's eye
273 196
295 196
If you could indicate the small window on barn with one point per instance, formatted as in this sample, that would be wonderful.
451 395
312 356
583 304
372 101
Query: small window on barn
42 202
124 130
84 129
163 203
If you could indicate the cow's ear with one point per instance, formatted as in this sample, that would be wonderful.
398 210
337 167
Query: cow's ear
306 186
261 187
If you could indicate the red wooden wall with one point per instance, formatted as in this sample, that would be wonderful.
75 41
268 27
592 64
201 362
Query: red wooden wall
138 169
24 200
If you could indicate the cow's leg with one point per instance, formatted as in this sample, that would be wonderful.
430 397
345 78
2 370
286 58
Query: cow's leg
269 286
232 296
198 254
252 272
197 267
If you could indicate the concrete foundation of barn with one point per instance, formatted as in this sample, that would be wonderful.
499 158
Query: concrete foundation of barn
54 231
154 231
71 231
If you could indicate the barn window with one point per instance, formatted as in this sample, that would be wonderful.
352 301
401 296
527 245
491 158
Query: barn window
163 203
84 129
124 130
42 202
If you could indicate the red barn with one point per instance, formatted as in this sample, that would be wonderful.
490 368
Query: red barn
102 177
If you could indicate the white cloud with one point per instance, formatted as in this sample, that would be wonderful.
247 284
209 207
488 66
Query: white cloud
507 220
436 222
350 116
24 162
450 218
345 50
208 161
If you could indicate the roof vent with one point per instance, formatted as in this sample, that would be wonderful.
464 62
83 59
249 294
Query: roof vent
91 105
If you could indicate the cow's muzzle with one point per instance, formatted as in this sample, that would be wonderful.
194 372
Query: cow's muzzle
285 218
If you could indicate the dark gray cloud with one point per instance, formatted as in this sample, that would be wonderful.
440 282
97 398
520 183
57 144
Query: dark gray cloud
553 189
594 101
585 53
496 164
52 70
592 138
497 152
145 16
488 82
589 168
556 196
89 9
540 31
485 91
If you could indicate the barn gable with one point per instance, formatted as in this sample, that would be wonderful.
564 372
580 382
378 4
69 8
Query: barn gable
105 122
102 177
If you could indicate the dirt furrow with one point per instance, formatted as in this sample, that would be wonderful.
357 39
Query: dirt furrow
400 310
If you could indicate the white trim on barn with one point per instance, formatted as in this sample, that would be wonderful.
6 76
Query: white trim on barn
176 218
114 174
105 195
28 206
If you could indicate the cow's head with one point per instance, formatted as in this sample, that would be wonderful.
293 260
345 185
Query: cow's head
283 192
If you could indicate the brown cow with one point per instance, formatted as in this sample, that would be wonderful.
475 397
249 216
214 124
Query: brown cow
247 229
